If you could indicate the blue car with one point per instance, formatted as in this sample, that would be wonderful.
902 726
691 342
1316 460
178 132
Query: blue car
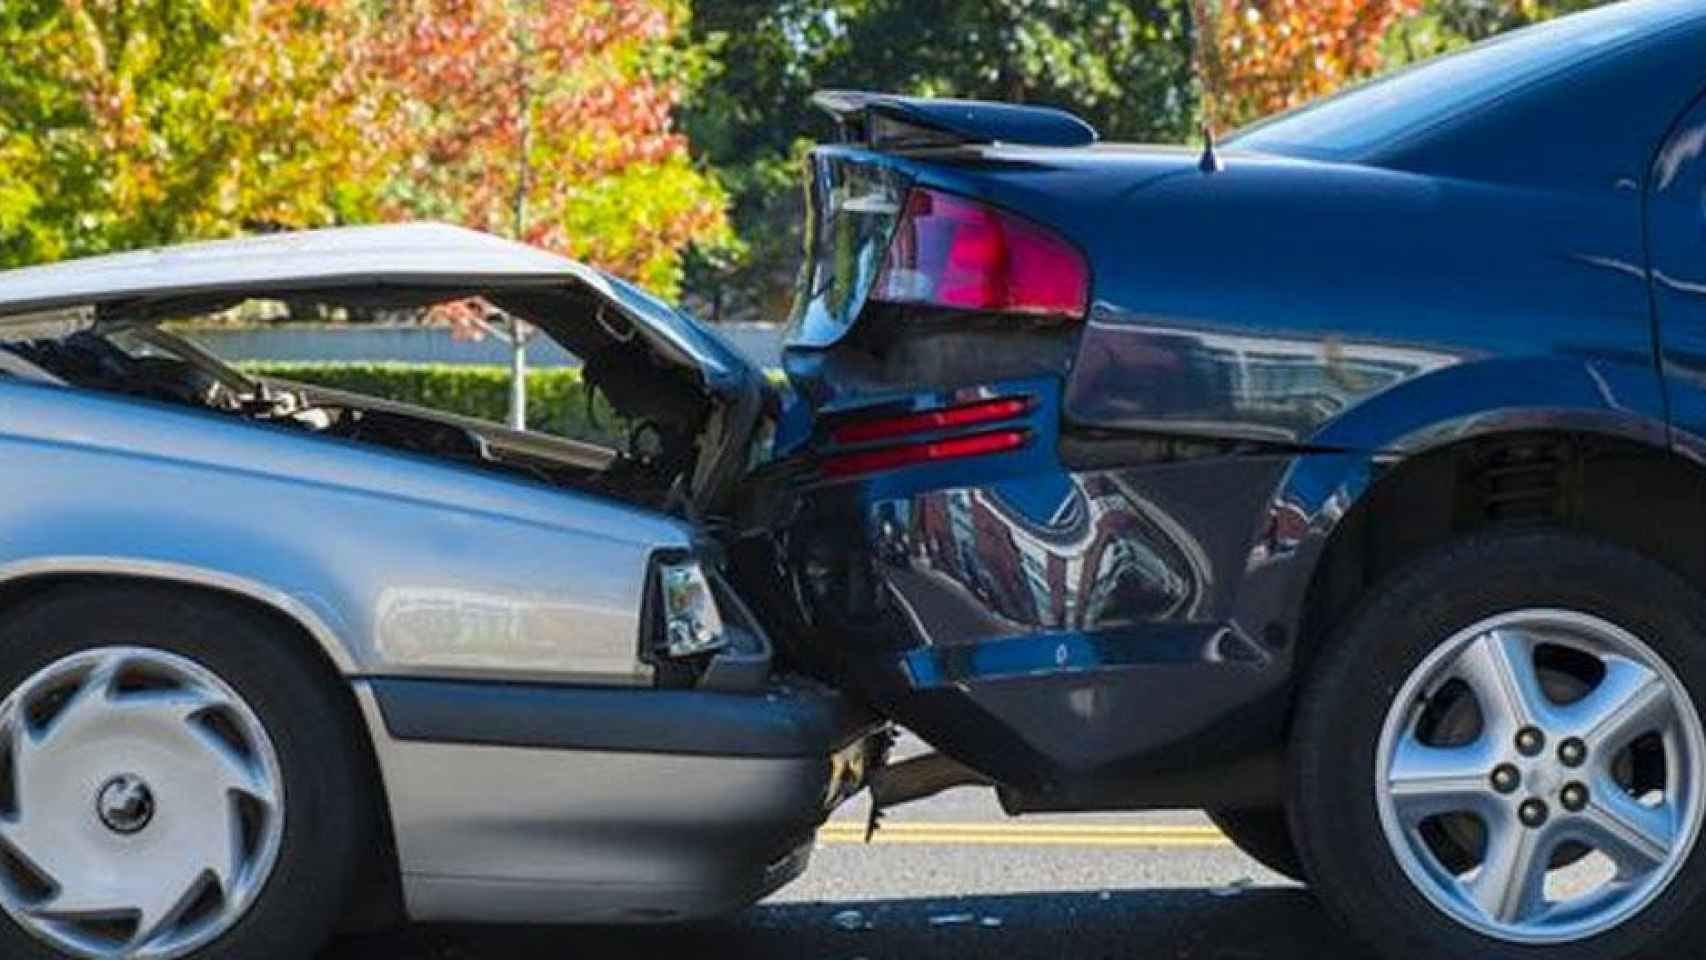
1346 478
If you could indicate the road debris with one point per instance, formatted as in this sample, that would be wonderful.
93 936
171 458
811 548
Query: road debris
852 920
1234 888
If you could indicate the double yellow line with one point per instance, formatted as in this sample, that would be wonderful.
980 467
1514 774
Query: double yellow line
1021 834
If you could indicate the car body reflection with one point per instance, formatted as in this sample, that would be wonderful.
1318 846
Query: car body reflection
1092 559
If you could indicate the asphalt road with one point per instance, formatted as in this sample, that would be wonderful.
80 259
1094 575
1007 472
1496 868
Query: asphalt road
954 878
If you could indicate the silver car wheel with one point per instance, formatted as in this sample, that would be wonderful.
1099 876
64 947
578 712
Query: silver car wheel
1570 800
141 804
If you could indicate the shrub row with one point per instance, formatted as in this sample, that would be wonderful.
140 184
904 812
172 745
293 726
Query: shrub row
556 397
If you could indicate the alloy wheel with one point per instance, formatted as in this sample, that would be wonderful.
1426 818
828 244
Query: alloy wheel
1540 776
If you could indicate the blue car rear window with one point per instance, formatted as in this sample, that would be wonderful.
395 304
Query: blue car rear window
1391 108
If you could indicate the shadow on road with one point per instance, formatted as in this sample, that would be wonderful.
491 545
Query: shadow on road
1252 924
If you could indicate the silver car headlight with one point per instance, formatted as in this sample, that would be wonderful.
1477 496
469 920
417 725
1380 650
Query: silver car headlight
692 623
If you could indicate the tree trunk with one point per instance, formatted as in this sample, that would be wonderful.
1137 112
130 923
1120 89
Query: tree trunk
518 331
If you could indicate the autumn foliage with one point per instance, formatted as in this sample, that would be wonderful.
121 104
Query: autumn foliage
128 123
548 120
1262 56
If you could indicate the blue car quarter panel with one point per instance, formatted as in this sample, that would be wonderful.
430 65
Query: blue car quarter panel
1050 609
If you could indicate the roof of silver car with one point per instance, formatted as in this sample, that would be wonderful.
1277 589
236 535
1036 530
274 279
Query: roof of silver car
430 254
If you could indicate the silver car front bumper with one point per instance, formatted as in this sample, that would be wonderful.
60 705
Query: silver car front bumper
538 805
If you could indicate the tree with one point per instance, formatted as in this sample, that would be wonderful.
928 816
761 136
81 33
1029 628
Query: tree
549 121
1262 56
128 123
1124 64
1445 25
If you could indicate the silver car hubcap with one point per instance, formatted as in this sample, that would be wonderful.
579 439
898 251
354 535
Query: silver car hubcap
1540 776
141 805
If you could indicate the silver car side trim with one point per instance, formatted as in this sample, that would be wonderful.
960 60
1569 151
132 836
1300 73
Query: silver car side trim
291 606
497 900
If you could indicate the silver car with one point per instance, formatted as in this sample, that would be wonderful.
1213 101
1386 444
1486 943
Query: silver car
275 658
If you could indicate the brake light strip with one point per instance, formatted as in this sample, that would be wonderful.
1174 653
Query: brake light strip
971 414
888 458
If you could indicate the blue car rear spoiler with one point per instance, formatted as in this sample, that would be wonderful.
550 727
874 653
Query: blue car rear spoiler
887 121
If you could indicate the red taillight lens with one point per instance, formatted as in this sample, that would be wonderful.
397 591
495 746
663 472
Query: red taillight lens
889 458
969 415
949 251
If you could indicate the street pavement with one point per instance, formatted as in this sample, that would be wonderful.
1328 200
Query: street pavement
954 878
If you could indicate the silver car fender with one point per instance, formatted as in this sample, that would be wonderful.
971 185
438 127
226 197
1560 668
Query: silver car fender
398 565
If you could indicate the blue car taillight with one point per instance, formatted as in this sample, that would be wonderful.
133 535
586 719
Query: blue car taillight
954 252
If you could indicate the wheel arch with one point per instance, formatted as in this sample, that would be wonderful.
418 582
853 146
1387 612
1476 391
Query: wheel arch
1607 475
1363 459
17 579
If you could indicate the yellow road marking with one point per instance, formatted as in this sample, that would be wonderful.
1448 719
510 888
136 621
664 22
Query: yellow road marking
839 832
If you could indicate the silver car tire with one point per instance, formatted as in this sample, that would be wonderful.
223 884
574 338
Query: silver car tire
1500 755
178 779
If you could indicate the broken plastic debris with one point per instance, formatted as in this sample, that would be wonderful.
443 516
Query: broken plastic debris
1235 888
952 920
851 920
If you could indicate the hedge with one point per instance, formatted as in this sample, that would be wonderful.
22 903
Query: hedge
556 397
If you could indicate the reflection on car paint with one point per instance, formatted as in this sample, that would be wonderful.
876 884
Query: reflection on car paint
1679 270
454 627
1266 386
1093 560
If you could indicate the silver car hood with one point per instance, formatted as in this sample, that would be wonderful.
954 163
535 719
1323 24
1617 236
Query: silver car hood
410 254
404 254
418 256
